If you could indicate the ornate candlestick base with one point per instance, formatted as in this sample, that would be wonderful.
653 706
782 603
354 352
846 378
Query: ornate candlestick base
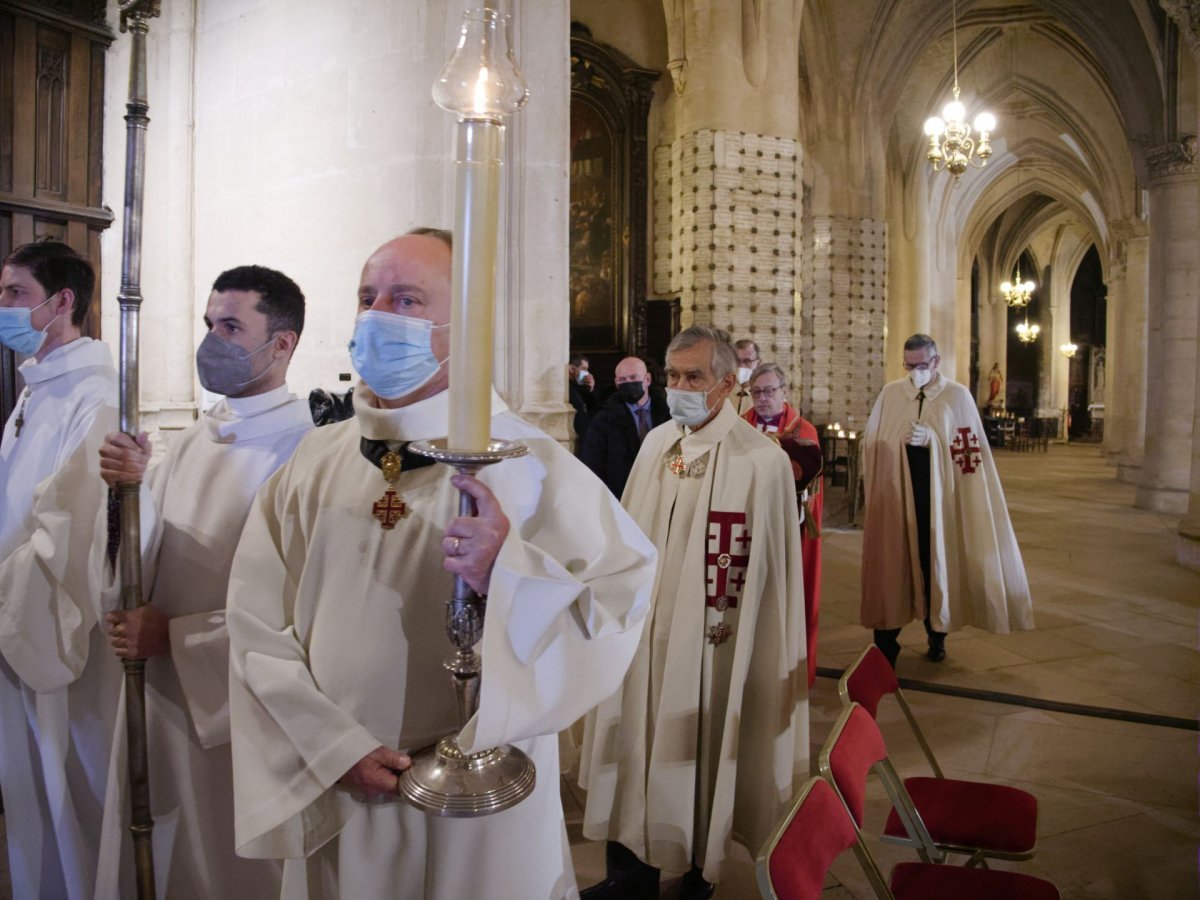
443 779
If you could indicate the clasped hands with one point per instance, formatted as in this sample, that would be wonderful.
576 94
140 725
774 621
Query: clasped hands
918 435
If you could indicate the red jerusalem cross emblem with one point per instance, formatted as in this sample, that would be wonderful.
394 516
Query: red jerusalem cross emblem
726 556
965 451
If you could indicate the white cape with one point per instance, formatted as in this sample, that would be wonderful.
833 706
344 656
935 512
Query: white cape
977 576
337 642
729 530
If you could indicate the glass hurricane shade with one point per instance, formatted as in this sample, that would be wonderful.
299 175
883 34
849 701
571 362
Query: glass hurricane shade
481 79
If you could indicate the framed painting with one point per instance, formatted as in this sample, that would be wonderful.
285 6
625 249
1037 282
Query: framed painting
610 102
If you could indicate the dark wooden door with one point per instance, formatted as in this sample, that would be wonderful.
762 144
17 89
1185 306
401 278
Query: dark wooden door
51 129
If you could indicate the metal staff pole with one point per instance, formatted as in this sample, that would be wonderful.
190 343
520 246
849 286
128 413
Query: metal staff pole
135 18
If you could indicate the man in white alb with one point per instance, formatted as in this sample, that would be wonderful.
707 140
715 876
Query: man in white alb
336 621
194 503
58 684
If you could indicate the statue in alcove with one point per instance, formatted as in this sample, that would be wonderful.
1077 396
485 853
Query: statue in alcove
995 386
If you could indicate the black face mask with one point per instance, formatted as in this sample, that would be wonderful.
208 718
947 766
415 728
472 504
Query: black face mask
631 391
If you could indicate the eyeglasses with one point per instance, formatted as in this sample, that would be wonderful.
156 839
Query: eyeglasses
921 367
748 363
757 393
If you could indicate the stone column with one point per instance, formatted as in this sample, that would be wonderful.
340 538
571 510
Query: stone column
727 188
1187 549
1174 301
1056 331
1125 398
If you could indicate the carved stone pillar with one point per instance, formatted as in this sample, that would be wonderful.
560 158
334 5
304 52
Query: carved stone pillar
1171 338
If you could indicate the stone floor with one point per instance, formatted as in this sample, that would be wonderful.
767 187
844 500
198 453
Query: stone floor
1116 627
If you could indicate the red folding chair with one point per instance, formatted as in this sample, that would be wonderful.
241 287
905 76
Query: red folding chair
943 815
794 861
984 821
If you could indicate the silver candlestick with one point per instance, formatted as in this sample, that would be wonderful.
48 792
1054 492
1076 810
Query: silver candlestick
443 779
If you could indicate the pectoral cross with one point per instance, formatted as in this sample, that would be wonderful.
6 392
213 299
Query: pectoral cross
718 634
390 508
20 421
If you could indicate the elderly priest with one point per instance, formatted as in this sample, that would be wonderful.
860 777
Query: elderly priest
707 739
336 613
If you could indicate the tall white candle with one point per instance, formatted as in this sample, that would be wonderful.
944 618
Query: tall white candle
473 281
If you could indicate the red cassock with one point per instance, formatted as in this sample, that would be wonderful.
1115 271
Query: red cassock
799 438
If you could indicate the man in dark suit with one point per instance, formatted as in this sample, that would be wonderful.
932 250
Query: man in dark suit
616 432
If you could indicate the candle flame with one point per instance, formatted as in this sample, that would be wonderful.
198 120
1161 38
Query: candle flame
481 90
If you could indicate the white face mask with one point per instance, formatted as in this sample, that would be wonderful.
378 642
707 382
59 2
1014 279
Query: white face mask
743 374
688 408
920 377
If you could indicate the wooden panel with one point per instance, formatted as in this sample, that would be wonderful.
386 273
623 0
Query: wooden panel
50 135
91 325
79 70
50 230
22 232
24 85
95 181
7 125
6 243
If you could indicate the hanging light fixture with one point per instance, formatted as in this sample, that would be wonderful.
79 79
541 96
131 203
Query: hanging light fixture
1017 293
1068 350
1028 333
950 144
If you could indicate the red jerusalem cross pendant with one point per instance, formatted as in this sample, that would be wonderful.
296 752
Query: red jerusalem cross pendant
390 508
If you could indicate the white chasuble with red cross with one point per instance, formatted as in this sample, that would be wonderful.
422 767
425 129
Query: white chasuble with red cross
977 576
721 665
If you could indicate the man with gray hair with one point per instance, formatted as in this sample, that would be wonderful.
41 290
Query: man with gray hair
937 541
708 736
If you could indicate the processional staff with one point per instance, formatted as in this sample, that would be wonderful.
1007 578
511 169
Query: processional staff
135 19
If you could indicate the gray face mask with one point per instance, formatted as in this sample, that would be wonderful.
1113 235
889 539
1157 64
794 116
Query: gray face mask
225 368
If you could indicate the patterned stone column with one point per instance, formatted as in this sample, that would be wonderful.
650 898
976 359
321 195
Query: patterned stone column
843 319
1171 339
726 209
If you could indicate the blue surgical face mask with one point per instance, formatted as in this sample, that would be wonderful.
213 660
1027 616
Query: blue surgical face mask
17 331
392 353
688 408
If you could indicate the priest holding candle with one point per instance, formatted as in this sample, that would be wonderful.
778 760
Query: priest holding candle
336 618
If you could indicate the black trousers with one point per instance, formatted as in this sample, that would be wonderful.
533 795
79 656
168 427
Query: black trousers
887 639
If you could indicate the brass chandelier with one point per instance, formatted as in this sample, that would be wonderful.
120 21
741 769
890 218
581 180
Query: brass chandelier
951 147
1027 333
1017 293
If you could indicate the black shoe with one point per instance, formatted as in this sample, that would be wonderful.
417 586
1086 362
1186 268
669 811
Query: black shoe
694 887
628 878
937 647
624 886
